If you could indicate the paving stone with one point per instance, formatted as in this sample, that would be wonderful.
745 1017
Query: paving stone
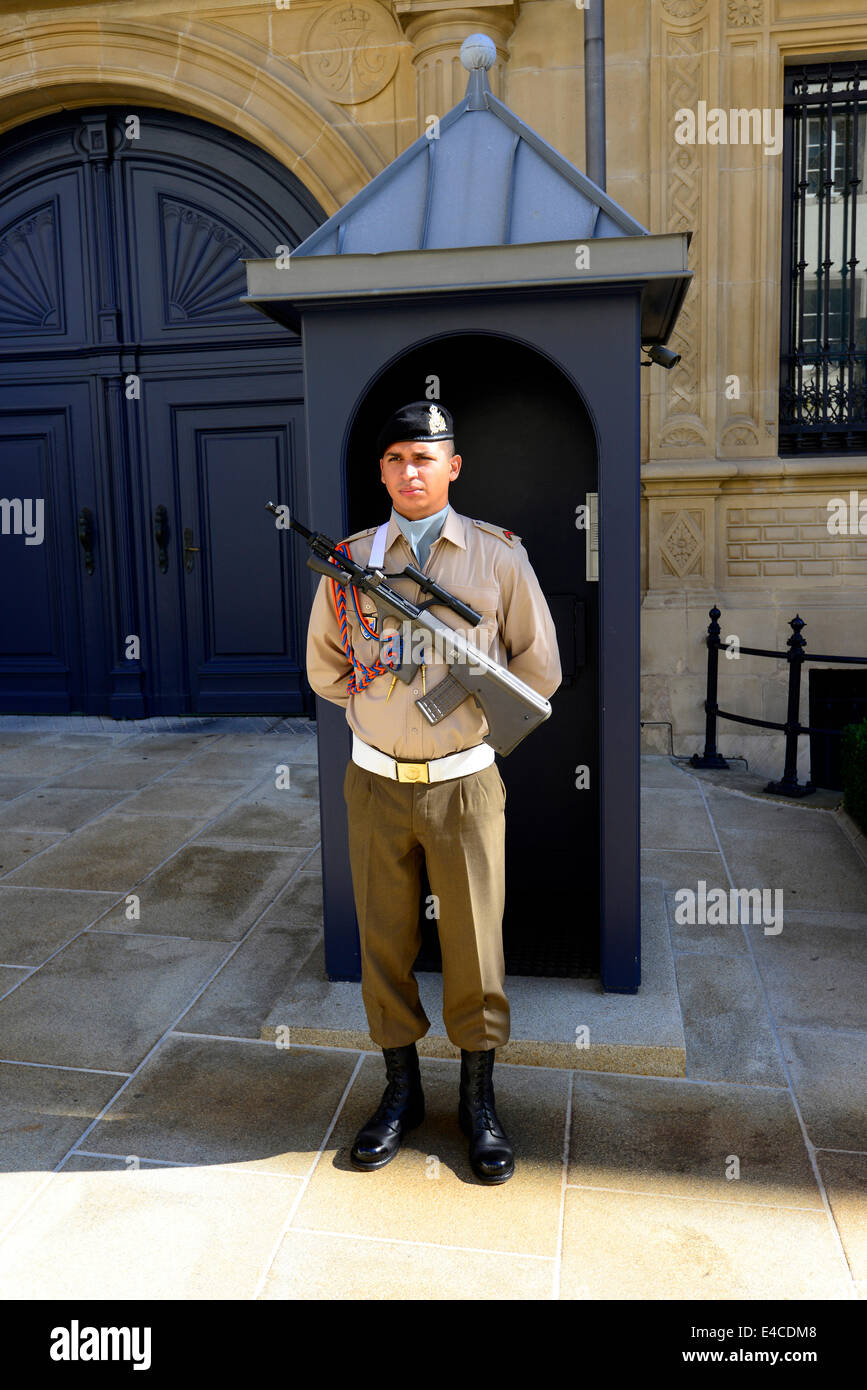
845 1179
816 977
11 787
647 1134
127 773
44 1111
216 766
57 808
815 867
39 756
178 798
213 1101
725 1022
262 821
428 1192
150 1233
300 905
239 1001
339 1268
725 939
626 1246
110 854
17 846
683 869
207 891
104 1000
675 819
35 921
829 1077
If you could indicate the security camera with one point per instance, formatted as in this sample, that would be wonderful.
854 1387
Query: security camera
662 356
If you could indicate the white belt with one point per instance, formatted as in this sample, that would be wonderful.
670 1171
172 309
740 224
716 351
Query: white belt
436 770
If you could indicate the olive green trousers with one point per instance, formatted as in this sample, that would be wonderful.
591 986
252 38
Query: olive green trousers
457 830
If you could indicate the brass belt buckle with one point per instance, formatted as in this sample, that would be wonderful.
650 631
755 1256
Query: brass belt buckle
411 772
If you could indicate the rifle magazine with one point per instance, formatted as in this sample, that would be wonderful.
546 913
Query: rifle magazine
442 700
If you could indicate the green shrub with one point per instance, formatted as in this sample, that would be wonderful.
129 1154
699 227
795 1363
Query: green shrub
854 760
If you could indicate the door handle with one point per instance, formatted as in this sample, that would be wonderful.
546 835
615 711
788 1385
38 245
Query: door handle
161 536
189 549
85 535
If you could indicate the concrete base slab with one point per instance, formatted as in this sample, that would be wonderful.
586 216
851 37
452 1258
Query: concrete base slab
555 1023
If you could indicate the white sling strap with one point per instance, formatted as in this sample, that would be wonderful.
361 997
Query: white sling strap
377 550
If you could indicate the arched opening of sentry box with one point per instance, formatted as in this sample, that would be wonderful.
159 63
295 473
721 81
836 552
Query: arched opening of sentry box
529 460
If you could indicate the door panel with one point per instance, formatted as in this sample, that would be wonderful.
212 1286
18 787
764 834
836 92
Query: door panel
233 599
46 457
122 258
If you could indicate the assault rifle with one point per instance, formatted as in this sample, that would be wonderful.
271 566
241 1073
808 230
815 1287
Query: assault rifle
512 708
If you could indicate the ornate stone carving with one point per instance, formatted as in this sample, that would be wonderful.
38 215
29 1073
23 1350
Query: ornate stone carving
350 50
30 273
682 544
742 13
740 436
683 9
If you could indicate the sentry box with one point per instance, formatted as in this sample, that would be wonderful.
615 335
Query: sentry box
483 266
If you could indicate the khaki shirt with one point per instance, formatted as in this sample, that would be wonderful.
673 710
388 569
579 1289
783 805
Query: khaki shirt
477 562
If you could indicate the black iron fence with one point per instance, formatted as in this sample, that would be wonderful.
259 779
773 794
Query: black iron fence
795 655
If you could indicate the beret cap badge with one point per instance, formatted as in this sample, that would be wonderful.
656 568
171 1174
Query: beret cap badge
436 420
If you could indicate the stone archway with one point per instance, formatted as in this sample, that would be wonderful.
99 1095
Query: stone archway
206 71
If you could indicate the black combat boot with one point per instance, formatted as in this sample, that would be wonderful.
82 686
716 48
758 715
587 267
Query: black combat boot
401 1109
491 1156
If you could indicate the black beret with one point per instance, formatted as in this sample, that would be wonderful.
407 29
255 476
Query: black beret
420 420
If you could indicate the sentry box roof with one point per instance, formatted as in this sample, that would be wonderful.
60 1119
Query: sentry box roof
481 203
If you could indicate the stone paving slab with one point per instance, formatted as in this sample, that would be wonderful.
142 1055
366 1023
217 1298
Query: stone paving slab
45 1110
428 1192
800 863
623 1245
17 846
678 1138
815 979
675 818
845 1179
208 892
151 1233
628 1033
829 1078
42 758
177 798
110 854
10 787
219 1101
310 1266
35 921
58 809
104 1000
240 1000
729 1036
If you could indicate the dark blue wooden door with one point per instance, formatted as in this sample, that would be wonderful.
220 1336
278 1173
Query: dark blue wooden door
152 414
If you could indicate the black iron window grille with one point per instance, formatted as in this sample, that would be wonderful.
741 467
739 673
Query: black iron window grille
823 367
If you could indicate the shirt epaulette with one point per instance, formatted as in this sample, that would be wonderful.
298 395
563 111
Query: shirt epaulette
510 538
357 535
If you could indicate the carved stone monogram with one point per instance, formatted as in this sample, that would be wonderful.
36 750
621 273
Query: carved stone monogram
29 273
351 50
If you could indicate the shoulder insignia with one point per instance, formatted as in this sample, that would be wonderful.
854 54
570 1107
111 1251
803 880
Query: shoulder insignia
510 538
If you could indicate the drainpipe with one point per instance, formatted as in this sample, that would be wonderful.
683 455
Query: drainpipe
594 91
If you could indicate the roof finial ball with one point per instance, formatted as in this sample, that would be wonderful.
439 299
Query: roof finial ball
478 51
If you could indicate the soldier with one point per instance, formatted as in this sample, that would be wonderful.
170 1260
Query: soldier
418 793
